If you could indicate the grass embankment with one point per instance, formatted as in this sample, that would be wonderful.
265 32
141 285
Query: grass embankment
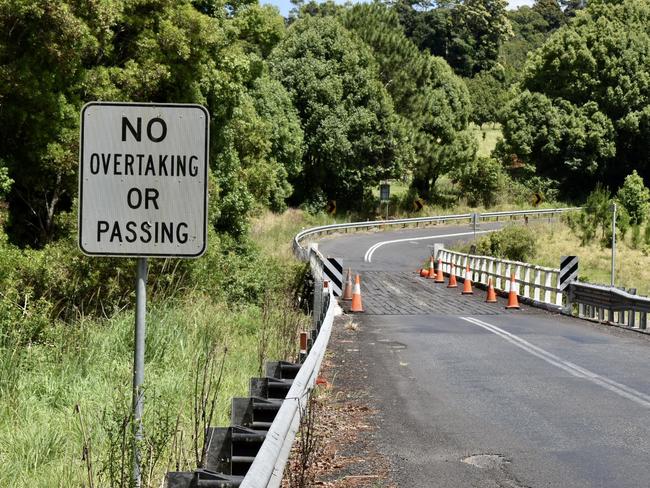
88 362
632 265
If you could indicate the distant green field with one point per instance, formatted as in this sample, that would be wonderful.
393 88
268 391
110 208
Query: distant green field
397 188
486 144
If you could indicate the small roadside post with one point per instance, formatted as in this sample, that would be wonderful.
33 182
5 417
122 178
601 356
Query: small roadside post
475 217
613 209
143 173
384 195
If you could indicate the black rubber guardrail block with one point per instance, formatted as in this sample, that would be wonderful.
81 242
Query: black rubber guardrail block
282 370
201 478
254 412
269 388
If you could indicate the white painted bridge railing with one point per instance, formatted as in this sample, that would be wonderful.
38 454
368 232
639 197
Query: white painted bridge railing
538 284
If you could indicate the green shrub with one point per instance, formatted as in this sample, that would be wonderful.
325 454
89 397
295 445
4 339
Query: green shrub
517 243
635 197
480 181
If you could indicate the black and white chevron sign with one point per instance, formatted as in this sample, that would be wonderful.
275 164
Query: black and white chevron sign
568 271
333 270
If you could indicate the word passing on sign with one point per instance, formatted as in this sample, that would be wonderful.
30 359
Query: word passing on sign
143 179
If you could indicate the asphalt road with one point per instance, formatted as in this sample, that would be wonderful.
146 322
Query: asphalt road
470 395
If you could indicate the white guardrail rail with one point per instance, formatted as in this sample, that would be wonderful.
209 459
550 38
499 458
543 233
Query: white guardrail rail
302 252
268 468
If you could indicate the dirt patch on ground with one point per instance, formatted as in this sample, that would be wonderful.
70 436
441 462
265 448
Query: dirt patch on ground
347 423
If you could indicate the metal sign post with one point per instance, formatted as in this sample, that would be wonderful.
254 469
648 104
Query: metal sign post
474 223
143 176
138 365
384 195
613 209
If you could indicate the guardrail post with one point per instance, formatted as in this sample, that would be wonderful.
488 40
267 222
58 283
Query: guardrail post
643 320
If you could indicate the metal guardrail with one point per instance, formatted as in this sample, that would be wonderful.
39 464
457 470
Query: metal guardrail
535 284
253 452
302 252
609 305
268 468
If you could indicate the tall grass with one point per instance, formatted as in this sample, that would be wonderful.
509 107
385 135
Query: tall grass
632 263
65 400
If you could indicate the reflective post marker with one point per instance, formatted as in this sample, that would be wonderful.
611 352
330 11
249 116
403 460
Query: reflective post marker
138 366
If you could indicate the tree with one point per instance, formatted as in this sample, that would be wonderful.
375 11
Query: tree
581 115
481 27
56 55
551 12
352 137
488 94
431 100
635 197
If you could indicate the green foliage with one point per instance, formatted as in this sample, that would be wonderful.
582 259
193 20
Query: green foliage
480 27
432 102
563 142
581 116
514 242
466 33
488 93
352 137
635 197
595 219
56 55
480 181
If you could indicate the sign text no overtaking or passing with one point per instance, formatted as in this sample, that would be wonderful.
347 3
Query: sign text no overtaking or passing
143 179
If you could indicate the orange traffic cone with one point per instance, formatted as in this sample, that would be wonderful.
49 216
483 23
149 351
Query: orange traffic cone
424 272
356 296
452 278
491 296
347 292
440 277
432 274
467 285
513 301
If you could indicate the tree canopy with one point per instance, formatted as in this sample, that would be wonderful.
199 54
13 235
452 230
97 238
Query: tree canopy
352 134
582 114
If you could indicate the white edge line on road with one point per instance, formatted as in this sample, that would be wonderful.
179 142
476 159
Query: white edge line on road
368 256
573 369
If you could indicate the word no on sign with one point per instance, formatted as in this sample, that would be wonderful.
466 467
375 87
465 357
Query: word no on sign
143 179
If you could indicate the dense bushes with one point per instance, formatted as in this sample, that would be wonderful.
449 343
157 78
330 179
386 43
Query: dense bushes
513 242
59 283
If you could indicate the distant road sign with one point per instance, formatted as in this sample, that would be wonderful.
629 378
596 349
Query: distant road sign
537 199
384 192
330 208
143 174
418 204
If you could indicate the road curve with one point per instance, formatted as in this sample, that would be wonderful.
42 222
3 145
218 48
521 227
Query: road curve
472 395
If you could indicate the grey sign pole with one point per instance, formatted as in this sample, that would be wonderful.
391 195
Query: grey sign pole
138 367
613 242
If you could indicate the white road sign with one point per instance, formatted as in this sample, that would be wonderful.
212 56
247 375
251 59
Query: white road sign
143 174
